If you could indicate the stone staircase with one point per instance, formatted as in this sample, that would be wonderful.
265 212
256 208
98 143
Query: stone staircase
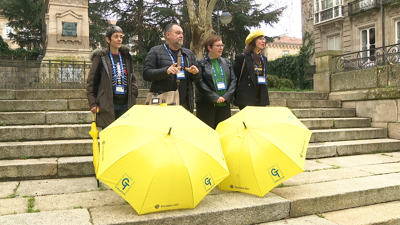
352 169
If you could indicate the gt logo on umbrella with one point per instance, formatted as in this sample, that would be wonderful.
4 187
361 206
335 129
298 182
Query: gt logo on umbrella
276 173
124 184
208 182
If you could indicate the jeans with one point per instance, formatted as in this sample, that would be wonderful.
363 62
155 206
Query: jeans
120 109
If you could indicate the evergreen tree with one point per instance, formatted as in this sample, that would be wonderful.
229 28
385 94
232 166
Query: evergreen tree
26 18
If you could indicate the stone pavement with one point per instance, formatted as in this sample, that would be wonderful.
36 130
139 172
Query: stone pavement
338 190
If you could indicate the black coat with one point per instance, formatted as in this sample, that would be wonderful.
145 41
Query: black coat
246 90
205 88
155 69
99 87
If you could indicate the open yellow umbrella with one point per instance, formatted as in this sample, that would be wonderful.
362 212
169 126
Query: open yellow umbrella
160 158
263 147
94 133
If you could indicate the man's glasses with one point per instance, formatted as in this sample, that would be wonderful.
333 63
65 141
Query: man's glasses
219 46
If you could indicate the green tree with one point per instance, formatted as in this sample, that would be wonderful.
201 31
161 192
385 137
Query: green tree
26 18
98 25
245 14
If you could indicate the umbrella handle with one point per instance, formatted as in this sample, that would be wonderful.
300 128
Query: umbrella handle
94 117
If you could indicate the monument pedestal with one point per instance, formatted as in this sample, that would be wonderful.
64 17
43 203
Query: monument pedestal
67 30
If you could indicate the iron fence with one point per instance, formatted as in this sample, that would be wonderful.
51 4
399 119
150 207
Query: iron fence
384 2
363 5
368 58
50 74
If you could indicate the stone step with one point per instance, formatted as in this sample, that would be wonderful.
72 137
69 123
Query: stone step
43 94
81 131
25 118
44 132
343 182
382 214
298 95
45 149
293 104
347 134
68 197
44 105
329 123
344 148
84 117
45 168
324 113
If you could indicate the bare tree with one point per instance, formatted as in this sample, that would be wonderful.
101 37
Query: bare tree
200 16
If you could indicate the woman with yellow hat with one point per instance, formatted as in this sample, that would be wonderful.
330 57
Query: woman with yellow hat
251 71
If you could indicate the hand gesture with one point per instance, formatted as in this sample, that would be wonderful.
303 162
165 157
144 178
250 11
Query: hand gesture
193 69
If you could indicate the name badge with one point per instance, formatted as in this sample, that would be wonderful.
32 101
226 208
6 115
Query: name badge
261 80
221 86
119 89
181 75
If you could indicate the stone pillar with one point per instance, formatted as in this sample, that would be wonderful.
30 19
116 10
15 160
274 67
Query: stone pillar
325 67
67 30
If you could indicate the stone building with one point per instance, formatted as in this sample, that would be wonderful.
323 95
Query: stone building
4 30
282 46
352 25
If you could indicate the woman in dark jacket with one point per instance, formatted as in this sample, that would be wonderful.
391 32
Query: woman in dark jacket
251 70
214 92
111 85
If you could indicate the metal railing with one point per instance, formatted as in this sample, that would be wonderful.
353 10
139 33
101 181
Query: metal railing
384 2
368 58
337 11
50 74
359 6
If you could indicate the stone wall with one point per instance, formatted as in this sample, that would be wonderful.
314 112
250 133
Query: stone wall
373 92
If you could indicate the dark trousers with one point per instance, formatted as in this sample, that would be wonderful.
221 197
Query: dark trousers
120 109
212 115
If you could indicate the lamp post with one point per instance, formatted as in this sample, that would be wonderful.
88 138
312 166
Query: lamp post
224 18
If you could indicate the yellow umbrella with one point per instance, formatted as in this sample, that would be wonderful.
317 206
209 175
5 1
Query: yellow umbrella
94 134
160 158
263 147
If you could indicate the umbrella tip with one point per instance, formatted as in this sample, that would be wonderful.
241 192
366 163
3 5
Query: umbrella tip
244 125
169 132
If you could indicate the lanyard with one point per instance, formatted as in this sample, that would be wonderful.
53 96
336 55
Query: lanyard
172 58
215 73
262 59
114 67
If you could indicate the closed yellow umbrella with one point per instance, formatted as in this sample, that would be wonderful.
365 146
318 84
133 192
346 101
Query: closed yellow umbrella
263 147
160 158
94 133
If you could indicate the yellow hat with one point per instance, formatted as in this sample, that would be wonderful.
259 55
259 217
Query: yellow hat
254 34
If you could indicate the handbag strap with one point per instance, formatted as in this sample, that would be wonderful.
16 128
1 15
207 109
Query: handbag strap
241 72
179 63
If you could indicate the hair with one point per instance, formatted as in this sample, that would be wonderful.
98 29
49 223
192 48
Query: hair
168 28
250 48
112 30
210 41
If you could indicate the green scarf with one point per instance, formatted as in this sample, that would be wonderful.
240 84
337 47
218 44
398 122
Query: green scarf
217 69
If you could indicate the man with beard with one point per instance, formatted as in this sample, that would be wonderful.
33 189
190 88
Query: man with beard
162 69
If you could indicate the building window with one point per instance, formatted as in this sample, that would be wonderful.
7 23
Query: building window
397 32
6 31
285 53
334 43
368 42
310 11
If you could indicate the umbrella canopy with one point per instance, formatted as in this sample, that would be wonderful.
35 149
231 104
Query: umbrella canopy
94 133
263 147
160 158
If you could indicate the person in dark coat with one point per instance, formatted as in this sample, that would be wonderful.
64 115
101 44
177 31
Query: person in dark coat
162 70
251 71
214 92
111 85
